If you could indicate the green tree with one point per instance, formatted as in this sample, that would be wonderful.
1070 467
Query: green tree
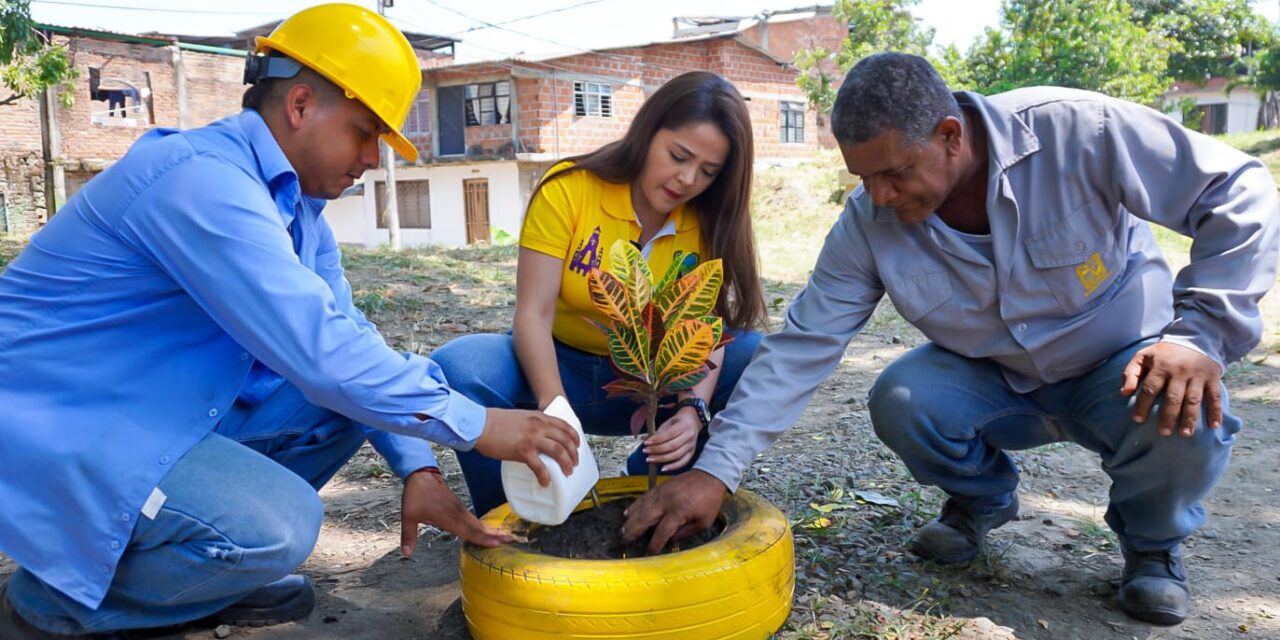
29 63
1087 44
877 25
1213 38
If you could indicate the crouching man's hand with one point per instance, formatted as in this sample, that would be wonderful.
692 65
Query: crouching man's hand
426 499
514 434
683 506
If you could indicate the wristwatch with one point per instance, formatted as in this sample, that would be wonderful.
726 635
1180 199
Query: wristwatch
699 406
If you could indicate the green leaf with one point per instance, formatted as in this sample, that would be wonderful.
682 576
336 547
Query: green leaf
686 381
628 350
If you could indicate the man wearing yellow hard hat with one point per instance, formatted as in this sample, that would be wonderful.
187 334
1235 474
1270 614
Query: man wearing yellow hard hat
184 366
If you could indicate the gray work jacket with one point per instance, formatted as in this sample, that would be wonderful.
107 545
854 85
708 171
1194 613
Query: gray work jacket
1076 274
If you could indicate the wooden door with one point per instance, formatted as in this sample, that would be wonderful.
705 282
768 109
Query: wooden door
476 193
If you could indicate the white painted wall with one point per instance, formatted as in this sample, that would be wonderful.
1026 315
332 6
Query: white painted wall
353 218
1242 105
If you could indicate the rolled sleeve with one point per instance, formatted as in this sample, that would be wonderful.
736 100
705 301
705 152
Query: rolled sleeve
789 365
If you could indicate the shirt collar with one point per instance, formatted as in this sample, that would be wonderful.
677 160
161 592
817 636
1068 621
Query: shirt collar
616 200
276 171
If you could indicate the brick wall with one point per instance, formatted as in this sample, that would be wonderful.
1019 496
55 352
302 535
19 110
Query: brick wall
213 91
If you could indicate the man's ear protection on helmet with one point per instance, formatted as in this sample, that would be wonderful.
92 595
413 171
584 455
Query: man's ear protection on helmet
259 67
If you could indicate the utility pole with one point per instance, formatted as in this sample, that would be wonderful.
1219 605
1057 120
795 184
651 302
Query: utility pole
392 211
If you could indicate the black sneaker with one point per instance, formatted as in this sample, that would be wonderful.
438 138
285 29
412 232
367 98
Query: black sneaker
957 535
290 598
14 627
1154 587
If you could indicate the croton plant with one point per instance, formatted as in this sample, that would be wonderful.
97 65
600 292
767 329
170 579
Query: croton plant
660 336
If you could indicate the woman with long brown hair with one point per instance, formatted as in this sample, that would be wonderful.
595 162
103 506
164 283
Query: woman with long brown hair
679 180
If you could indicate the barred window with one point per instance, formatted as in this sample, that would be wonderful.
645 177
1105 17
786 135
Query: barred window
488 103
792 124
592 99
413 202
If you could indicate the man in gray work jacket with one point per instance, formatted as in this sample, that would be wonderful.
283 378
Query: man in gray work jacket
1012 231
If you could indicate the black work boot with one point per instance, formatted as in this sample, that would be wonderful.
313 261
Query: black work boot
290 598
957 535
1154 587
14 627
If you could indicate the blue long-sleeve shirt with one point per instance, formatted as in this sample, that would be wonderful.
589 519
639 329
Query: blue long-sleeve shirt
132 321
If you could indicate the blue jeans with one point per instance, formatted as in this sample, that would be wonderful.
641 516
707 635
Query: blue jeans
951 419
484 368
241 512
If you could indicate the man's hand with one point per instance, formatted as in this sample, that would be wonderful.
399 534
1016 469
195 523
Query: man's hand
427 499
1187 378
514 434
675 441
680 507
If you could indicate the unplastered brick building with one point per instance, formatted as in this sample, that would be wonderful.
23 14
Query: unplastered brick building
127 85
487 131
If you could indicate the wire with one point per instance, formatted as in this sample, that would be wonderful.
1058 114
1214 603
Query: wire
528 17
151 9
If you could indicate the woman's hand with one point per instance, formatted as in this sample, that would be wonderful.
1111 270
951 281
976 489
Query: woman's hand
676 440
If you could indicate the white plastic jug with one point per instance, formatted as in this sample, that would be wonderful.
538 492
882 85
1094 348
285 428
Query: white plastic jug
552 504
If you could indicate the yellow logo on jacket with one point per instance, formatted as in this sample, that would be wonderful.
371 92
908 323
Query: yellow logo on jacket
1092 273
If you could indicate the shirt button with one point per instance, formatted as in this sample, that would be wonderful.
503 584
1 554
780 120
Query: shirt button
115 544
1022 327
164 459
213 413
1079 247
124 517
106 568
244 356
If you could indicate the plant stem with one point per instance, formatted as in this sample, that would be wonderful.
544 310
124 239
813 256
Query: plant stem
652 420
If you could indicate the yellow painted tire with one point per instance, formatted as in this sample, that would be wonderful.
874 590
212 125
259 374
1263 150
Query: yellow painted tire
738 586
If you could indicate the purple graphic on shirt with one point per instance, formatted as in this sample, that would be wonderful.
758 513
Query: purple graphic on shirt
587 257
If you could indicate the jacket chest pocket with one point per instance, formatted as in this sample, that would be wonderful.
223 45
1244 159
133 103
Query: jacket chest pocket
1079 258
915 296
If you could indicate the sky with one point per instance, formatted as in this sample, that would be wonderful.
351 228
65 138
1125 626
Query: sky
492 29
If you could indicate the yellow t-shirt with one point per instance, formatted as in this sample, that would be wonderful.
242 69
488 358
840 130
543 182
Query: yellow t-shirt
577 218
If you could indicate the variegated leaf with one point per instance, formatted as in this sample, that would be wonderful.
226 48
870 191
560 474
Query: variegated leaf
629 352
626 389
609 296
700 297
685 348
674 271
619 260
686 381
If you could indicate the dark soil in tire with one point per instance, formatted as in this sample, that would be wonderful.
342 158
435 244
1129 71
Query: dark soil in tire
594 534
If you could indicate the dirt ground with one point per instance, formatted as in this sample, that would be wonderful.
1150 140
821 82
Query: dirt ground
1049 574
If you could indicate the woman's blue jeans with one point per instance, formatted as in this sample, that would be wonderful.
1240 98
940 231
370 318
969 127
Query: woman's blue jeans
484 368
951 419
241 512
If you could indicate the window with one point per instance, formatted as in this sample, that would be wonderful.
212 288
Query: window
413 200
592 99
417 125
792 121
120 97
488 103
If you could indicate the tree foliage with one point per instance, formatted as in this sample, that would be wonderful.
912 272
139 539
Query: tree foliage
1087 44
879 25
29 63
1212 38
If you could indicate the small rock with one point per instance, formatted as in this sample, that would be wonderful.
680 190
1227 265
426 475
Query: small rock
330 618
1071 533
223 631
1057 589
1102 588
896 340
1209 534
1048 522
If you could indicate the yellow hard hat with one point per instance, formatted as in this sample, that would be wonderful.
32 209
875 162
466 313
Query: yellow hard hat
361 52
